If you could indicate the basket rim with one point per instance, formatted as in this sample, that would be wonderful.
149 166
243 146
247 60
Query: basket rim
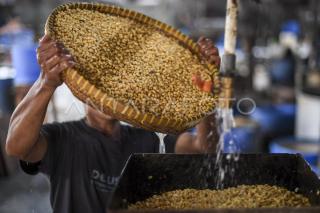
87 92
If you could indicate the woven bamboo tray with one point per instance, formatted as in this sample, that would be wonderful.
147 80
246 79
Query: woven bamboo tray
89 93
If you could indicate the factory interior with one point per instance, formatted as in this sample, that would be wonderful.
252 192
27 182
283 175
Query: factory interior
272 125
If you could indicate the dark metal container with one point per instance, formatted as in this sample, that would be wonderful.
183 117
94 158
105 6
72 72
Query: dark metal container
147 174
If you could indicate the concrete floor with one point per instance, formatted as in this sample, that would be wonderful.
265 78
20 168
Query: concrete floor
22 193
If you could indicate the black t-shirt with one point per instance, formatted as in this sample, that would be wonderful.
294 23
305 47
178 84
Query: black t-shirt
84 165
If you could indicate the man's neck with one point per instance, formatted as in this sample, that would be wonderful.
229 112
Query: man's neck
109 127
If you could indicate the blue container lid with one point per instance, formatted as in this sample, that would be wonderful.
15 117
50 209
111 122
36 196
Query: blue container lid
291 26
24 60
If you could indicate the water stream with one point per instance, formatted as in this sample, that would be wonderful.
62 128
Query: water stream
228 144
162 146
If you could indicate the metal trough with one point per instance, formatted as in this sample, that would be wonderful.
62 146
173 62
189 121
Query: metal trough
147 174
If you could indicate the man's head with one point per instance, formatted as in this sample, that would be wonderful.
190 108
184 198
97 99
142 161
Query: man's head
101 121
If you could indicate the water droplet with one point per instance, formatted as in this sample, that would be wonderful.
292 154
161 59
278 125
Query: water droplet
222 175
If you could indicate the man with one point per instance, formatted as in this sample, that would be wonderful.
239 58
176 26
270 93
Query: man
83 159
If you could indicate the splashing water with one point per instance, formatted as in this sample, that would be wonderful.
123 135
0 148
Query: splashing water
162 146
227 143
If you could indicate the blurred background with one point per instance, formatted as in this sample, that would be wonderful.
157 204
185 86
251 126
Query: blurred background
277 81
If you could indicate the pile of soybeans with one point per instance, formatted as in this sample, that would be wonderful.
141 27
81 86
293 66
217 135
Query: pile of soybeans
243 196
134 63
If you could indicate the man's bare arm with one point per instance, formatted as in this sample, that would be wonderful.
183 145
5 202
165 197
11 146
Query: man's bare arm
206 139
24 140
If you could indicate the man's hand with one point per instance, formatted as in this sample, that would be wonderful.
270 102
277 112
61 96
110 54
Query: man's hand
53 59
209 54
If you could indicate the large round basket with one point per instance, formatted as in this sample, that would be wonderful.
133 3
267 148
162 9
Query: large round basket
89 93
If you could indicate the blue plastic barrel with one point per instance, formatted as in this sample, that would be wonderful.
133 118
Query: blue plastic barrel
275 119
245 140
282 71
24 60
24 37
246 137
6 40
309 149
